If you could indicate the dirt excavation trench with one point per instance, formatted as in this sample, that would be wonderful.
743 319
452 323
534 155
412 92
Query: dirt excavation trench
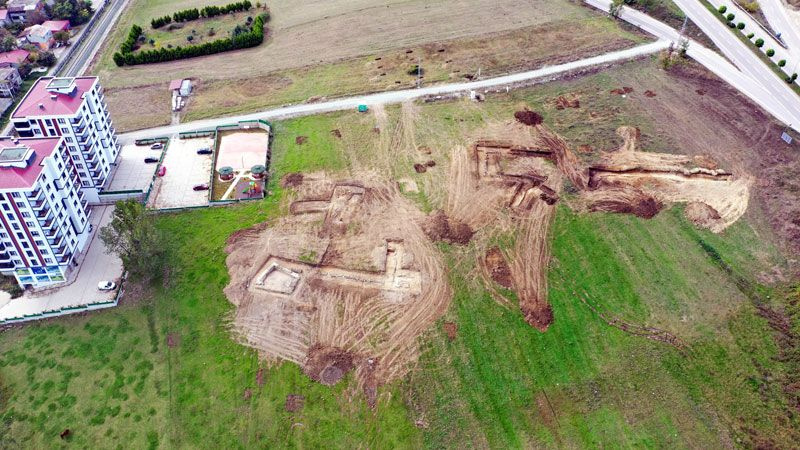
346 282
350 278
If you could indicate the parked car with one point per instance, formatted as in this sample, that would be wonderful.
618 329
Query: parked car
204 151
200 187
157 146
162 171
150 160
106 285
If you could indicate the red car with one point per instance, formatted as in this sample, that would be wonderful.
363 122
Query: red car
162 170
200 187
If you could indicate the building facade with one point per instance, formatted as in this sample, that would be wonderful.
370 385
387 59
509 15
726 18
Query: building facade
75 109
43 212
10 81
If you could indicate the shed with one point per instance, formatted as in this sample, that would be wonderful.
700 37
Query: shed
175 85
186 88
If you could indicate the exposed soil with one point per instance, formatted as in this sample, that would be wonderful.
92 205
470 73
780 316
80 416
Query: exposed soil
247 394
649 93
624 200
439 227
294 403
702 215
538 314
529 118
172 340
700 92
300 140
420 168
622 91
292 180
498 267
336 133
563 102
430 163
260 376
451 330
328 365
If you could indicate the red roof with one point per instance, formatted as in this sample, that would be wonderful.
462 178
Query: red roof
14 56
62 105
174 85
17 178
56 25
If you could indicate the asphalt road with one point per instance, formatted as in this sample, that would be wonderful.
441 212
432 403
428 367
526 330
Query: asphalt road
779 20
82 56
401 96
756 81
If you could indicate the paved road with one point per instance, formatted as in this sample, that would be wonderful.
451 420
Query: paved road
779 20
402 95
82 56
758 82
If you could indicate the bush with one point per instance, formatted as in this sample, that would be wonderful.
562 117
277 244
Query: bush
730 17
781 63
750 35
731 25
770 53
160 22
740 25
759 42
722 9
190 38
47 59
794 76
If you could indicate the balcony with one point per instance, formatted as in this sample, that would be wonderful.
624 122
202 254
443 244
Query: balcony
41 215
38 205
7 265
64 259
23 125
56 241
85 204
61 250
35 195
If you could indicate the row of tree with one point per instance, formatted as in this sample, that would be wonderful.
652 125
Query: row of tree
161 21
187 15
126 56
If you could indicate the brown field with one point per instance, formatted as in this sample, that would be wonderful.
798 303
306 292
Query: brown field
338 47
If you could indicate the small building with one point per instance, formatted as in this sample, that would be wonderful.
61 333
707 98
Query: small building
181 87
4 19
24 10
10 81
14 58
175 86
56 26
39 36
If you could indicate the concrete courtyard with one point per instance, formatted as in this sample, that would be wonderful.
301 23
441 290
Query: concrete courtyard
132 172
184 169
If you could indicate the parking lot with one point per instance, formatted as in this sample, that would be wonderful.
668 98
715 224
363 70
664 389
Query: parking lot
132 172
184 170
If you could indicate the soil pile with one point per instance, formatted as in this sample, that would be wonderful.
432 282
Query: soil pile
624 200
292 180
564 102
529 118
300 140
497 267
439 227
328 365
702 215
451 329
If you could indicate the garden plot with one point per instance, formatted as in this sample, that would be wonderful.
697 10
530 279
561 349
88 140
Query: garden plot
184 169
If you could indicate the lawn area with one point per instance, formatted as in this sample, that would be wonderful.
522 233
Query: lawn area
201 31
163 371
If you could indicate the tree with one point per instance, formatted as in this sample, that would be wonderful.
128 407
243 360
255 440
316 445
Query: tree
740 25
770 53
759 42
46 59
8 43
133 237
62 37
781 63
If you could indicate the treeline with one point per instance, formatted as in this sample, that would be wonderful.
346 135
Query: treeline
126 56
187 15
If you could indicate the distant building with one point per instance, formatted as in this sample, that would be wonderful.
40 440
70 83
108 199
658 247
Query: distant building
10 81
44 215
4 19
40 36
13 58
24 10
73 108
56 25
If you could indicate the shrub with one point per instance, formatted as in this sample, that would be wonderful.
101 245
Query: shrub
781 63
190 38
794 76
731 25
770 53
740 25
160 22
722 9
759 42
750 35
730 17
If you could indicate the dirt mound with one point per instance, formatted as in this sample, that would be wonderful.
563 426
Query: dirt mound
292 180
172 340
622 91
539 315
702 215
260 376
529 118
624 200
336 133
439 227
700 92
649 93
328 365
498 267
420 168
564 102
430 163
300 140
294 403
451 329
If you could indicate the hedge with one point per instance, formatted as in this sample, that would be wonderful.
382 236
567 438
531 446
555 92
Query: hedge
126 56
161 21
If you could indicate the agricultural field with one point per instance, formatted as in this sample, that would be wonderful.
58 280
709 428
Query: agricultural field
344 47
661 332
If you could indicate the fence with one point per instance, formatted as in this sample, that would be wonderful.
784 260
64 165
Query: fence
111 197
87 29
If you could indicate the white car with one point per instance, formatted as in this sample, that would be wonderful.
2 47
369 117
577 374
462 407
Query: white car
106 285
157 146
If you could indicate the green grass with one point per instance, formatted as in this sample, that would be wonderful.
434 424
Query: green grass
201 30
26 85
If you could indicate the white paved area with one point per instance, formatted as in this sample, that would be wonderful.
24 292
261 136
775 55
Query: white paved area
185 169
82 292
132 172
242 149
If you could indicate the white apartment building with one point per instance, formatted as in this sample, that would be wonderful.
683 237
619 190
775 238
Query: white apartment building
75 109
43 212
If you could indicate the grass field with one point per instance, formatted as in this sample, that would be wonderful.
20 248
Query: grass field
330 48
161 370
200 30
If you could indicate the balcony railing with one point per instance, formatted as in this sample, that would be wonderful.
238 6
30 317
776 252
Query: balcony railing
56 241
7 265
35 195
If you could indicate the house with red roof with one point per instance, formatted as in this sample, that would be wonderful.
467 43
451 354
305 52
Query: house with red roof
14 58
57 25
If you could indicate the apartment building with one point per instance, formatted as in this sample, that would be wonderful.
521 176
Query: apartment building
75 109
10 81
43 212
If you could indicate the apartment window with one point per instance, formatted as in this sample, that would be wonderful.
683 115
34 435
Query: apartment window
30 224
18 262
3 235
26 215
79 166
15 194
20 204
34 233
6 207
29 253
39 243
48 260
37 131
26 245
62 121
69 139
86 183
10 216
